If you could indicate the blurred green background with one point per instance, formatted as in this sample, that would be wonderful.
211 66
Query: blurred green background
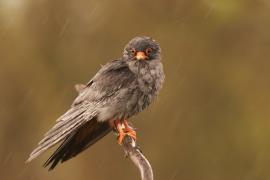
211 120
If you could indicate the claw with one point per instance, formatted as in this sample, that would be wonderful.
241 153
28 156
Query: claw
124 130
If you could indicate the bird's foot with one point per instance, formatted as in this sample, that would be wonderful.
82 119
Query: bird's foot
121 136
124 130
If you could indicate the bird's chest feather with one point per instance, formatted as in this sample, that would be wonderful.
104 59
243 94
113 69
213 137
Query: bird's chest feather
149 80
149 75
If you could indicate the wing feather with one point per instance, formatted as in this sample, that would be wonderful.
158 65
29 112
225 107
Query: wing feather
66 124
78 141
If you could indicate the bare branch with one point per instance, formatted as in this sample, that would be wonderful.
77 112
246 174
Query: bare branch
134 153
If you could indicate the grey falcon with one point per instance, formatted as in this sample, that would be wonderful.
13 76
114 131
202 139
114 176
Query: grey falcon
120 89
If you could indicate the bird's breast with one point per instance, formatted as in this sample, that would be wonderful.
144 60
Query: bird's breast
150 76
149 80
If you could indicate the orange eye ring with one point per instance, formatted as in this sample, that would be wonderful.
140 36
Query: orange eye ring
133 51
148 51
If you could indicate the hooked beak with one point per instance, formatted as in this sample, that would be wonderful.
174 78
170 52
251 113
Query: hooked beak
141 55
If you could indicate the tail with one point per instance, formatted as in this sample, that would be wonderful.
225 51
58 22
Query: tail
66 125
78 141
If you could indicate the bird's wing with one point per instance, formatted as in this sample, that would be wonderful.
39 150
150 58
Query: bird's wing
106 83
65 125
109 79
78 141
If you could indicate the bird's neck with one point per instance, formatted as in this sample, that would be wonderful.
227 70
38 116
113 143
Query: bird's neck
141 66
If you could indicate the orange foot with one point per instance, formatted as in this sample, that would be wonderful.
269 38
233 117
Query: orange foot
123 130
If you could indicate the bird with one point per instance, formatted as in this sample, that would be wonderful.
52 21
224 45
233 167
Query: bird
121 89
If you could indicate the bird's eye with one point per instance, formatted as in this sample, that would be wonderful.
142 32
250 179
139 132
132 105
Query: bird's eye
148 51
133 51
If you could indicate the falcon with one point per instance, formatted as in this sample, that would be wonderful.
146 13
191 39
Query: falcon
121 89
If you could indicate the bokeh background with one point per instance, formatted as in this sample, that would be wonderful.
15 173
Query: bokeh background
211 120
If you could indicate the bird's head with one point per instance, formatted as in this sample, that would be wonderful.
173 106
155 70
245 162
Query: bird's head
142 48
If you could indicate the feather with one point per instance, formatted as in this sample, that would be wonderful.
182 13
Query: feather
66 124
78 141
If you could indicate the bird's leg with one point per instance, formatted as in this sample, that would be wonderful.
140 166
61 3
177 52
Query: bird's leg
123 130
129 130
119 128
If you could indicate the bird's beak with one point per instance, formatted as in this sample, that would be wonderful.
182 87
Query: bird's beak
140 55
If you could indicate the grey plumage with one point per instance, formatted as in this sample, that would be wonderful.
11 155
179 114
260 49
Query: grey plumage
121 88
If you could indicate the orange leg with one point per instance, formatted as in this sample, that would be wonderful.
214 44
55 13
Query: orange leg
129 130
123 130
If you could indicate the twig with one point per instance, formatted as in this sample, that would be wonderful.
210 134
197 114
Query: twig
134 153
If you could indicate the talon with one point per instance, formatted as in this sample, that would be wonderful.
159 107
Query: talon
123 130
120 138
129 130
132 134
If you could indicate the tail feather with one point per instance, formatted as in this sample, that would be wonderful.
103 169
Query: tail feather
66 124
78 141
